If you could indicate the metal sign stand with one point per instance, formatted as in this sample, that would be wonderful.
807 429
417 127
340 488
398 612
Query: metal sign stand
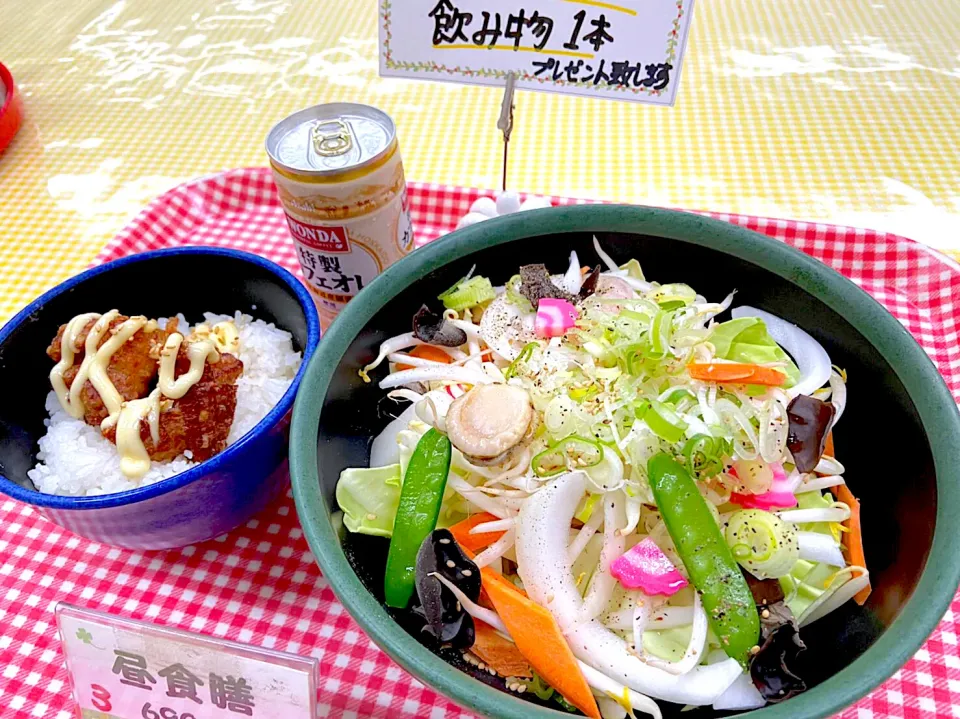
505 123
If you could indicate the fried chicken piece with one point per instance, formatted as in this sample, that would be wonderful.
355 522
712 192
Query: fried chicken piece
131 369
200 421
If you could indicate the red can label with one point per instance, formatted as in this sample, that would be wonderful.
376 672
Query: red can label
328 238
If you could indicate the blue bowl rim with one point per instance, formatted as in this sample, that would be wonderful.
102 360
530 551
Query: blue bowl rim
170 484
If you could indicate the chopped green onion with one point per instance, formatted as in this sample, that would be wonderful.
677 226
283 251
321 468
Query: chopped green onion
573 452
564 704
678 394
672 304
468 293
656 334
632 315
664 422
587 507
633 358
539 687
513 294
640 408
673 293
762 543
525 354
704 455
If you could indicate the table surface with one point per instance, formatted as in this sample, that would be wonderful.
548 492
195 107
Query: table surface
838 111
841 111
260 583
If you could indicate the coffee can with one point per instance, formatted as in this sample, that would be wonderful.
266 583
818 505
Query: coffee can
340 179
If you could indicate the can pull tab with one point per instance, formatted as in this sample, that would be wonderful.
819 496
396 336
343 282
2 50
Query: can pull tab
331 138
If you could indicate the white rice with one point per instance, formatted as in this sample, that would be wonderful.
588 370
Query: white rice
76 460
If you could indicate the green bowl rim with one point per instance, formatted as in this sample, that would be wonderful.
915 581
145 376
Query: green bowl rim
934 403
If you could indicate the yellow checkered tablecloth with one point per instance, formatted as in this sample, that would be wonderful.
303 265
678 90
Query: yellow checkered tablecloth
842 111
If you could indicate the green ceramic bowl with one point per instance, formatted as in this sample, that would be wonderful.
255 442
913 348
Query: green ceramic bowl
897 403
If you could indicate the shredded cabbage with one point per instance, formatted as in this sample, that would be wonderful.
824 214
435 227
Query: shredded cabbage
746 340
369 498
609 394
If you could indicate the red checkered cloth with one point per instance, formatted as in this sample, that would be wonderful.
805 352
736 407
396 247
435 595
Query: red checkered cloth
260 584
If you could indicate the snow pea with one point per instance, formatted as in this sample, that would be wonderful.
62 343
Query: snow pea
714 572
417 512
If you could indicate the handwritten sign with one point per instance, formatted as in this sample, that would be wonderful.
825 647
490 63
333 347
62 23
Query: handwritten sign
124 669
623 49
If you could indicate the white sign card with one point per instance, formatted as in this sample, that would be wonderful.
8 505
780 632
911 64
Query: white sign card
125 669
623 49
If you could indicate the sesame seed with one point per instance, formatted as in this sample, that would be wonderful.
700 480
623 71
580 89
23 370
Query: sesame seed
444 541
451 563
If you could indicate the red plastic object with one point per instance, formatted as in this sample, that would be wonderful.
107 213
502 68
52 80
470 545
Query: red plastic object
11 112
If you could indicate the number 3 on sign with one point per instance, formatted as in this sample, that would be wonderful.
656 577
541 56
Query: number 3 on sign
163 713
101 698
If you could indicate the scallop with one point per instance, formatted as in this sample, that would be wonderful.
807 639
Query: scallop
506 328
614 288
490 420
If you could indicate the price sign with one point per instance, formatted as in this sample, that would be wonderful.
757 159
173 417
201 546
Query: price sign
621 49
125 669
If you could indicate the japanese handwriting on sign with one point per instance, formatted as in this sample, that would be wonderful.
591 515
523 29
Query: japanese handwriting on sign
449 23
232 694
132 669
136 670
181 682
618 50
450 27
619 74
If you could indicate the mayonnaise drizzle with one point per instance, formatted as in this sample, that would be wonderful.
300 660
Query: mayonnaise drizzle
96 360
68 352
134 458
202 347
198 352
224 336
205 345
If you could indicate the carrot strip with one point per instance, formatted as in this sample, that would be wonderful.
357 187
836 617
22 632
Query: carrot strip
491 576
428 352
853 540
538 638
738 372
499 653
474 542
828 450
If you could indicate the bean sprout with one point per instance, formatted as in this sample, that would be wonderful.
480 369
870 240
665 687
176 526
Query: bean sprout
497 549
440 373
585 534
499 525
